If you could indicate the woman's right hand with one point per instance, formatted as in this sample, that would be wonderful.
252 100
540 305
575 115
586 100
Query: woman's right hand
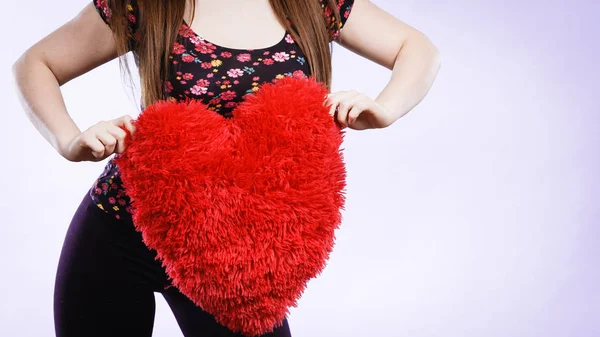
100 140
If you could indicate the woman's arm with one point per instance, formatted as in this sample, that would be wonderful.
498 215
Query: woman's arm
414 60
75 48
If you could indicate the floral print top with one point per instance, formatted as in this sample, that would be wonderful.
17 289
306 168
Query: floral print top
217 75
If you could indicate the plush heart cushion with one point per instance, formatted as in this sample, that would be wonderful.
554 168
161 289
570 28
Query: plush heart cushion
241 211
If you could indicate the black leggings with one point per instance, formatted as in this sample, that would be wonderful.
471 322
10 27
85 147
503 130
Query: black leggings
106 281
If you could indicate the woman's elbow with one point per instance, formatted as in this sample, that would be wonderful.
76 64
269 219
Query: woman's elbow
23 63
435 55
429 53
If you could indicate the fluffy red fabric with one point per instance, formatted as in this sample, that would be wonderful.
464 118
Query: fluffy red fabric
241 211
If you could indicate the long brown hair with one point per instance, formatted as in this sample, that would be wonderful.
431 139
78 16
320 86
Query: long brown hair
160 20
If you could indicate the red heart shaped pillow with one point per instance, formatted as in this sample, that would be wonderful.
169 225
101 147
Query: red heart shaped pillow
241 211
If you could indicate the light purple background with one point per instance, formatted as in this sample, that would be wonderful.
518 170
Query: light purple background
474 215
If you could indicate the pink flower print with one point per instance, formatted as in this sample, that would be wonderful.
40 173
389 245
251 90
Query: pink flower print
112 200
131 18
266 53
103 5
245 57
236 82
205 47
104 186
268 61
188 58
225 54
114 186
178 48
235 72
281 56
255 63
188 76
183 82
206 65
215 101
231 105
226 82
198 90
186 31
289 39
255 78
209 75
298 74
122 202
210 93
195 39
98 190
202 82
228 95
168 86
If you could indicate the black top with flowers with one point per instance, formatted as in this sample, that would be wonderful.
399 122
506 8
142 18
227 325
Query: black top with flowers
216 75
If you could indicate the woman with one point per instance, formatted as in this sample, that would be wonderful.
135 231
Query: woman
107 277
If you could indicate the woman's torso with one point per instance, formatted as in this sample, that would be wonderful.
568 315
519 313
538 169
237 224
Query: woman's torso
217 75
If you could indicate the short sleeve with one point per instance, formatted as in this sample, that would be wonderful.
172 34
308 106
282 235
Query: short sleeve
131 16
334 27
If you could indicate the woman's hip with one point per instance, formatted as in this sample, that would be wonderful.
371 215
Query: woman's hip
101 246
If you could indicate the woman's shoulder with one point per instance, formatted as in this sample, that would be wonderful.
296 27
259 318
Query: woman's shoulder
131 12
344 7
128 8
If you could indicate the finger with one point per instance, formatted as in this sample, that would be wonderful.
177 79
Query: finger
130 126
358 103
120 121
354 112
348 95
91 142
128 122
326 99
107 140
125 121
342 113
119 134
332 109
336 98
331 101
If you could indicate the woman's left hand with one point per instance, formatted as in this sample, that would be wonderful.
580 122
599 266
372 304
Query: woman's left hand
357 111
